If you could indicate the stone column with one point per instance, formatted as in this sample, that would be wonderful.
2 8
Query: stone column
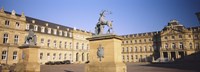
177 54
112 57
169 55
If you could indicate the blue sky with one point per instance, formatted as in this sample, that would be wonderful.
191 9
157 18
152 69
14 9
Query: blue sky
129 16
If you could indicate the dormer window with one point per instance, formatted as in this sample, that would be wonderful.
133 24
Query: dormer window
70 34
27 26
60 33
42 29
49 30
65 33
17 25
54 31
35 28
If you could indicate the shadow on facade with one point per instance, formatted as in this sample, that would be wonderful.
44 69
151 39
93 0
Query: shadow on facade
189 62
156 45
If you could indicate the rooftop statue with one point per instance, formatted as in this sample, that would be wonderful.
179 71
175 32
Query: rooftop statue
100 25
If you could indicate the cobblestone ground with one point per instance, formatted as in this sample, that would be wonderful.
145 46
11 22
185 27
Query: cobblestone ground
130 66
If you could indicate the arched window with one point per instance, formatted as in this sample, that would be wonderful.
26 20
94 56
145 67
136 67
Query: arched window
76 56
5 38
83 57
136 49
60 56
65 56
173 45
4 55
14 55
166 45
190 45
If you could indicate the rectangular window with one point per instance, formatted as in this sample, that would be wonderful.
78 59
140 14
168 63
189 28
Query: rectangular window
27 26
48 43
42 41
4 55
65 56
35 28
15 55
60 56
54 31
60 33
65 33
5 38
48 56
70 45
54 43
16 39
49 30
54 56
17 25
42 29
7 23
65 44
41 56
70 34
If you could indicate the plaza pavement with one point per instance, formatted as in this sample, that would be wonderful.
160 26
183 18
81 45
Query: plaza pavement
131 67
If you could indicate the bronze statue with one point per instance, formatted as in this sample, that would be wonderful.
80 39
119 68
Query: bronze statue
31 38
100 25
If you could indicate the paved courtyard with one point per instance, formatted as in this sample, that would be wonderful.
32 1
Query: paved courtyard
130 66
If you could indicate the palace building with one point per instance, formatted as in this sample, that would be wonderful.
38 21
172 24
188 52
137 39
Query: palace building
56 42
59 43
173 42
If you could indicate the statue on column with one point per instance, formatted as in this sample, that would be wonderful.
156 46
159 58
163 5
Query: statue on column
31 38
101 22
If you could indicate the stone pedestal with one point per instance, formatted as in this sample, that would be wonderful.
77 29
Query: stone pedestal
112 60
28 61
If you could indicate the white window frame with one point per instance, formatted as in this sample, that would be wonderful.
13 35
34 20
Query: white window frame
16 39
15 55
43 29
4 55
54 31
60 32
5 38
65 33
27 26
7 22
17 25
35 28
49 30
